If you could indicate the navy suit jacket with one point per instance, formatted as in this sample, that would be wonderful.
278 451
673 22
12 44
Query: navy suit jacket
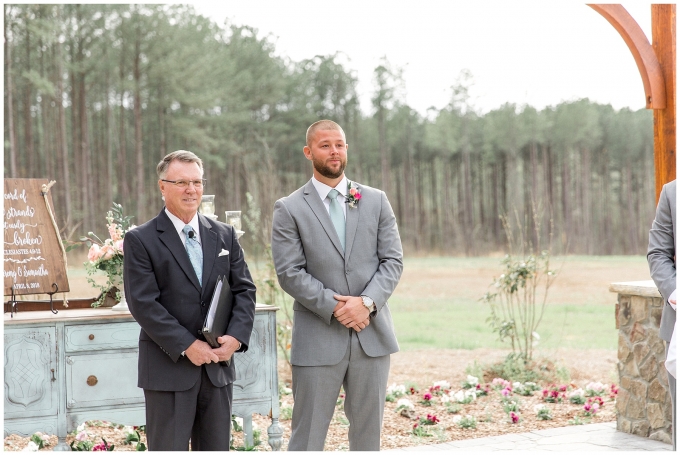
168 302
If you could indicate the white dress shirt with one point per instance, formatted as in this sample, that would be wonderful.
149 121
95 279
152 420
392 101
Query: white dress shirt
179 225
324 189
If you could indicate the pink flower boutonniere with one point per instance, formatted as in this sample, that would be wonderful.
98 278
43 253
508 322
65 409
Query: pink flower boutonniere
354 194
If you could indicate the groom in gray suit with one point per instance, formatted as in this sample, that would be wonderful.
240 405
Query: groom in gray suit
337 252
661 258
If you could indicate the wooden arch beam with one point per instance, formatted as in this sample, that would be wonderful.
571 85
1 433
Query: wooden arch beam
643 53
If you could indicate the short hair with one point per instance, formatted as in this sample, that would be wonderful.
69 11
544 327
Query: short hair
180 155
322 125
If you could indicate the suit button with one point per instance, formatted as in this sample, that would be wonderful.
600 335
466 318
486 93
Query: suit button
202 303
346 272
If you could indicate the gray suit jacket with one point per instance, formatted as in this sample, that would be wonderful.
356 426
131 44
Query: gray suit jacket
311 266
661 254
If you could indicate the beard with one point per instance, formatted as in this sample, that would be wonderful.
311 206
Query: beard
326 171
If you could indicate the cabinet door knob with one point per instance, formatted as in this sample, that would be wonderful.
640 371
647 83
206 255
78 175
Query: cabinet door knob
53 377
92 380
91 337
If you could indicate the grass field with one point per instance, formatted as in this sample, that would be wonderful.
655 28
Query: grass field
436 304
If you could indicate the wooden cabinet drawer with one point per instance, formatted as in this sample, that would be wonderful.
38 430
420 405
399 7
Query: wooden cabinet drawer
97 337
102 380
30 372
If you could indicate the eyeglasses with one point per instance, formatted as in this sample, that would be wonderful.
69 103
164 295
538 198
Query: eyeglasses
185 183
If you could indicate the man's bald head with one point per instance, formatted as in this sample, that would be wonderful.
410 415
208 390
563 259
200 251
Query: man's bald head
322 125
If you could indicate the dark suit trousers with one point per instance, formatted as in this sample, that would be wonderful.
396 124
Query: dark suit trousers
202 414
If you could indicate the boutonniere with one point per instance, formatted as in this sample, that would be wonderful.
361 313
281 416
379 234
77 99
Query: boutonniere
354 194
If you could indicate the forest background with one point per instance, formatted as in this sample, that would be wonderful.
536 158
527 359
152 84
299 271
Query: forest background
96 95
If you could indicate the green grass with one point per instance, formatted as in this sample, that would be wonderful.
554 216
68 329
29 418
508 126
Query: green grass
437 302
447 323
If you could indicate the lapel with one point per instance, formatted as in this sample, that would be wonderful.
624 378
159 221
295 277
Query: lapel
352 223
209 245
168 235
319 209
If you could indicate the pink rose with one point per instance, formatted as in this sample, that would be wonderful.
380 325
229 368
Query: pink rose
94 253
118 245
107 252
357 196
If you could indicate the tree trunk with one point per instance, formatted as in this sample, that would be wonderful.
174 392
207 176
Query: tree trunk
10 101
141 212
28 103
61 134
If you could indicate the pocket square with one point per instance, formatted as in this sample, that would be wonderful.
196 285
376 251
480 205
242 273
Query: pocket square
223 253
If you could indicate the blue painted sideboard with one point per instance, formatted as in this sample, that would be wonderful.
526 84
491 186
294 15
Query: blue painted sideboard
61 370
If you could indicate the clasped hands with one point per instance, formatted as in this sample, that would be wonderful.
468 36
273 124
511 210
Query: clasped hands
351 312
201 352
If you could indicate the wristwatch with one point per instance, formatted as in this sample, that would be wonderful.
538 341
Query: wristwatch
368 303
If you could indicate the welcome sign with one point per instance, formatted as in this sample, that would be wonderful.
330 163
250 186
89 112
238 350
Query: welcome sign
33 259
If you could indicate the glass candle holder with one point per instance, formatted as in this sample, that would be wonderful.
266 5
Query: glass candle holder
207 207
234 218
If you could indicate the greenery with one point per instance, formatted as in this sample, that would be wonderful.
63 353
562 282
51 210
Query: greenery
96 93
468 422
511 404
544 413
453 408
286 413
515 369
107 255
518 301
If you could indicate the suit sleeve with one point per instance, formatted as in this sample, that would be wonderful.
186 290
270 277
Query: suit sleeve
290 264
243 292
143 296
390 255
661 251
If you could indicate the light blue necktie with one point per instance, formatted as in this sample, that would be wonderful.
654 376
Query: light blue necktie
195 252
337 217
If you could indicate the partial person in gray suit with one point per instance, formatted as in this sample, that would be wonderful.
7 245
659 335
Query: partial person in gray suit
337 252
661 258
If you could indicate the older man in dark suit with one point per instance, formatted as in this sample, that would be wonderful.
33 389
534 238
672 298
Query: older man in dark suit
171 266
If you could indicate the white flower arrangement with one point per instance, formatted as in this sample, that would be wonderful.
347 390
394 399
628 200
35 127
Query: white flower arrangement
464 396
405 403
470 382
31 447
595 389
443 385
396 389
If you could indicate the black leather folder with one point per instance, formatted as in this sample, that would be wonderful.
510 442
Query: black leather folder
215 324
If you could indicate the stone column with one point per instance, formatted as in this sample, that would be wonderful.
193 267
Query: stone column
643 405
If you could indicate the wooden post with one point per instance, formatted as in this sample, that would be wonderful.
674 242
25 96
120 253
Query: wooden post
663 42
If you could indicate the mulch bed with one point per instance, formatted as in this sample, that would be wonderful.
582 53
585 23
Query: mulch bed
421 369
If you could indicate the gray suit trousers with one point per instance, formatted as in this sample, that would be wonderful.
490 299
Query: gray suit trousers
316 389
671 387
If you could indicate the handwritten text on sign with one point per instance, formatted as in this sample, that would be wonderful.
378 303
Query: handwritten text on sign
33 259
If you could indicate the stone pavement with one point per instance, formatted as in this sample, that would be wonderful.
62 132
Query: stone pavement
583 438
